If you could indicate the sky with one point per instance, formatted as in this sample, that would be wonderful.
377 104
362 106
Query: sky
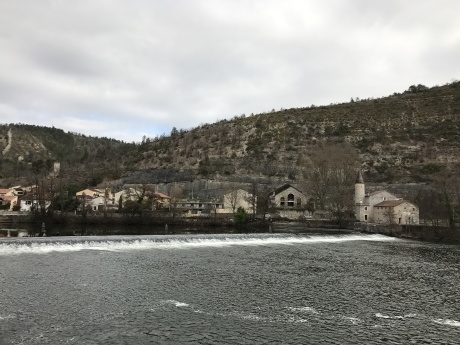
124 69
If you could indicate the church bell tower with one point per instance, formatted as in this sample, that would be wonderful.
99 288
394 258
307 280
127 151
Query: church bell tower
359 189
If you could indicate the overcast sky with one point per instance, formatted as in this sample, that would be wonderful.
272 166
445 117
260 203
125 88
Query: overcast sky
124 69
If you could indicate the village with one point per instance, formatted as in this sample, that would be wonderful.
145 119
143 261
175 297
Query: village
287 202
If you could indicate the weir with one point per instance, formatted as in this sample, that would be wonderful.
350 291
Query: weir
176 242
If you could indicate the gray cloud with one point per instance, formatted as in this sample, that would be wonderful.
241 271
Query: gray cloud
123 69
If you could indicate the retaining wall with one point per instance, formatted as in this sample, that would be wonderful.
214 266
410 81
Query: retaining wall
416 232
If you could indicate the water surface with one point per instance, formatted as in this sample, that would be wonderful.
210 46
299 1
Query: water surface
228 289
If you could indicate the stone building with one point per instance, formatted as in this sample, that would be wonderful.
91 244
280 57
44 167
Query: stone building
382 206
289 202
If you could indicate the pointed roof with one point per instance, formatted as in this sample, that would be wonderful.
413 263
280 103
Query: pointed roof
284 187
359 178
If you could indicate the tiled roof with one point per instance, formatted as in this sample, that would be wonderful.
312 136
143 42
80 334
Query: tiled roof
161 195
390 203
284 187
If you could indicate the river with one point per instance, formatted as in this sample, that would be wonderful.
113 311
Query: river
229 289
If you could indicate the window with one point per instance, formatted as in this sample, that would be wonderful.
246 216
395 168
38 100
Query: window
365 208
291 200
282 201
28 202
299 202
365 217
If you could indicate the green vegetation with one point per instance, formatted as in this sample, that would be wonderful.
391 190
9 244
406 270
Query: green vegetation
241 217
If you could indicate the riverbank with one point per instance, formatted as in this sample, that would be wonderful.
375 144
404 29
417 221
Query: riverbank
414 232
72 225
69 225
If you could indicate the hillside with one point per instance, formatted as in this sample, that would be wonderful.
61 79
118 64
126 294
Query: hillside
402 138
407 137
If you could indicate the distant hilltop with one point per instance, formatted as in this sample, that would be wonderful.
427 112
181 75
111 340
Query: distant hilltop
406 137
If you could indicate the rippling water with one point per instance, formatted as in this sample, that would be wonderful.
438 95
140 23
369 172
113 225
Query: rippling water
228 289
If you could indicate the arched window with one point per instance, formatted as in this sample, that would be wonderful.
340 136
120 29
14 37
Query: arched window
282 201
290 200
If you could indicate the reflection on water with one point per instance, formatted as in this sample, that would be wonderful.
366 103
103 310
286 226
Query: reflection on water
230 289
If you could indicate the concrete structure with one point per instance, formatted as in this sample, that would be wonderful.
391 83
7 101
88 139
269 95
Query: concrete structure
382 207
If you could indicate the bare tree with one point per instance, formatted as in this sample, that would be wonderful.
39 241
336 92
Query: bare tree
138 199
252 196
233 199
447 184
176 193
329 174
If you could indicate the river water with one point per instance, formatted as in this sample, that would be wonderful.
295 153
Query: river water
229 289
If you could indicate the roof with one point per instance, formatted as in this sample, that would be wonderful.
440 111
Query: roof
359 178
390 203
284 187
161 195
35 197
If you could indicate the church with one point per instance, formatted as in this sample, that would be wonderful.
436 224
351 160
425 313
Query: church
382 207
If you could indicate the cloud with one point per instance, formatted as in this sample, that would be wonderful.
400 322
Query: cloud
126 69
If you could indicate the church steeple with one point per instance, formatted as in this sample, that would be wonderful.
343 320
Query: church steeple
359 178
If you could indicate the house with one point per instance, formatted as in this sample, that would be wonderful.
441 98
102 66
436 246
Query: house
289 202
90 193
157 200
13 191
17 191
233 200
31 202
160 200
101 203
382 206
196 208
95 199
214 203
9 196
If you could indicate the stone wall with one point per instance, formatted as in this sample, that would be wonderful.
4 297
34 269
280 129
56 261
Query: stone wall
416 232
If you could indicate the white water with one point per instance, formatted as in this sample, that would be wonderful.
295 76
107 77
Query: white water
295 318
45 246
448 322
39 246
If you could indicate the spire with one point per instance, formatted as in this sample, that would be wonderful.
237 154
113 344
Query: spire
359 178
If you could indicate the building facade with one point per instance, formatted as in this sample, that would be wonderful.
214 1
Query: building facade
382 207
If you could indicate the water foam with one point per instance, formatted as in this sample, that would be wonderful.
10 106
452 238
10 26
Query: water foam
75 244
447 322
304 309
353 320
6 317
175 303
396 317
